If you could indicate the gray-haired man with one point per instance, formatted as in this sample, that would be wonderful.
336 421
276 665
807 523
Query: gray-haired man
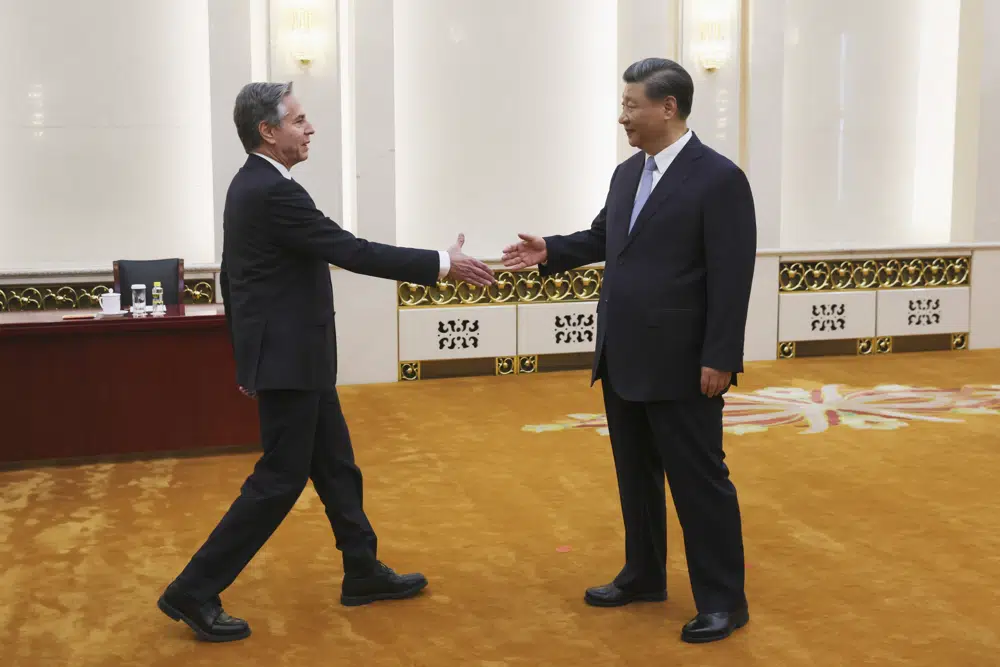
278 298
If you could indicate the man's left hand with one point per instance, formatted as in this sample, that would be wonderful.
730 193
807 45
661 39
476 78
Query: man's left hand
714 382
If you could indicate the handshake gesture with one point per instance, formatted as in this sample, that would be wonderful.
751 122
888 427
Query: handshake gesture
467 268
528 252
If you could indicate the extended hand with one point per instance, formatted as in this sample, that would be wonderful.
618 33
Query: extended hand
467 268
714 382
529 251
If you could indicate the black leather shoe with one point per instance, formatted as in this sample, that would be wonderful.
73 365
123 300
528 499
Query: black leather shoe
713 627
610 595
208 620
381 584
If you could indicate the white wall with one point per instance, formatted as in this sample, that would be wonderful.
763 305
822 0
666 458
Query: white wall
108 137
934 135
230 31
967 121
317 87
765 126
987 214
505 118
645 30
868 143
366 307
715 114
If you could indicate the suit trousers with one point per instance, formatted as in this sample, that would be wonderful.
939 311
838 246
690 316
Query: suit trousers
681 439
304 436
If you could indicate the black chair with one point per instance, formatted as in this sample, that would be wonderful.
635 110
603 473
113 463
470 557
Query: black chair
168 272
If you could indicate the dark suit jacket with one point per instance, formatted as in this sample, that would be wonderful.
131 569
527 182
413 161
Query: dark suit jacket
677 289
275 279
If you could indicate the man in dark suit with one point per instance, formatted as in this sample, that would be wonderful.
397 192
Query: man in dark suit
678 238
275 283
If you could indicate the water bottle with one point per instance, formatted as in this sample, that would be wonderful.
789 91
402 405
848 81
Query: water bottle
158 306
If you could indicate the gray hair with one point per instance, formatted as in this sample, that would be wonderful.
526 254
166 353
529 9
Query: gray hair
663 78
259 103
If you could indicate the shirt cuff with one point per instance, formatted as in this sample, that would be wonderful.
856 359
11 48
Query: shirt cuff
445 264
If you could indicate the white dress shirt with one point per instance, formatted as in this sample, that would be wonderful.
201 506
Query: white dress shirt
665 157
444 258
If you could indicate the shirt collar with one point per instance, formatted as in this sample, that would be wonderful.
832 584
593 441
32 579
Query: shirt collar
667 155
277 165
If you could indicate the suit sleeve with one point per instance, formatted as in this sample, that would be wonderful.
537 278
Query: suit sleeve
579 248
296 224
730 229
224 288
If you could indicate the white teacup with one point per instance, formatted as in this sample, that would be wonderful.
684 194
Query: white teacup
111 303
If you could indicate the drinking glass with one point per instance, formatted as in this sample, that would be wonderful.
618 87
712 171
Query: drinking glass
139 300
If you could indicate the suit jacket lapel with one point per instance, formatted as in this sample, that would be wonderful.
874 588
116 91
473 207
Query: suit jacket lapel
678 172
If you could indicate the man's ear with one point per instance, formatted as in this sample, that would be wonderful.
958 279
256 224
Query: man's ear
266 132
670 107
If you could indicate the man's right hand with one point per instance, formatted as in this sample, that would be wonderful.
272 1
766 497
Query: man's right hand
529 251
467 268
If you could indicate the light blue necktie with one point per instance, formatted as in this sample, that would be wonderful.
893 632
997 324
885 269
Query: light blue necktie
645 187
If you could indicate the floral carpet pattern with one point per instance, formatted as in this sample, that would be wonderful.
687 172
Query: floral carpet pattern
883 407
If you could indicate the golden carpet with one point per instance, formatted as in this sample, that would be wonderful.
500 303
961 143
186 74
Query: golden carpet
870 513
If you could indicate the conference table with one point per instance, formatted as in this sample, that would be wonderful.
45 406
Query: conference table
77 385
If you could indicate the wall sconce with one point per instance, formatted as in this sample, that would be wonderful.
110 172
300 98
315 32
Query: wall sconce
302 38
713 47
